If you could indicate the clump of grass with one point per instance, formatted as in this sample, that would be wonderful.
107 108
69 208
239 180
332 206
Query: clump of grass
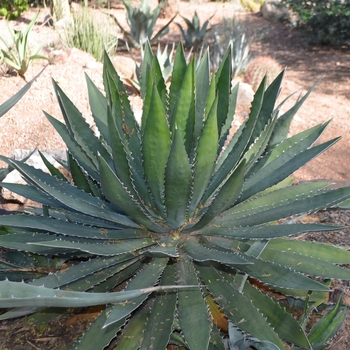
87 34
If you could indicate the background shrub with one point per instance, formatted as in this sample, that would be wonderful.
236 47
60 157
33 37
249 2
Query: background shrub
11 9
325 22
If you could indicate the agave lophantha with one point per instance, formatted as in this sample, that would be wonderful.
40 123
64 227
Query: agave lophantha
174 204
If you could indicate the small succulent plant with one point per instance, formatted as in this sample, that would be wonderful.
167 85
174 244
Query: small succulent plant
16 54
260 67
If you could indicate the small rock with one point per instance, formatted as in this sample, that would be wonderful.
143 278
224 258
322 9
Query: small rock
125 66
92 65
245 92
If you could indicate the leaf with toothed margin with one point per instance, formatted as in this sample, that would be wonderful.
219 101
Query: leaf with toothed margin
206 154
124 119
277 275
262 231
20 294
236 306
117 194
124 165
152 75
67 228
258 147
84 270
167 247
79 177
97 337
201 92
53 171
283 160
216 340
98 248
156 149
223 86
182 116
267 108
161 318
134 331
239 340
282 203
284 324
327 252
283 123
115 84
33 194
199 252
310 265
179 70
80 218
90 275
226 197
192 310
146 64
114 280
79 129
177 182
225 131
144 279
231 155
71 196
77 153
20 241
98 105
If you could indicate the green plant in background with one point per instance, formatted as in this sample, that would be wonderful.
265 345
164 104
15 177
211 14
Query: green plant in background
16 56
87 34
11 9
236 38
142 22
324 22
258 68
195 33
171 202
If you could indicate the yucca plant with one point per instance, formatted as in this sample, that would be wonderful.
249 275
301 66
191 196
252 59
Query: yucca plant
171 204
16 54
142 22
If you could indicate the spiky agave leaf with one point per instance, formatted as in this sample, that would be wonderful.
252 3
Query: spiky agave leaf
172 202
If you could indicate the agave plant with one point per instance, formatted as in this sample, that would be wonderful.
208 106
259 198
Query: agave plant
194 34
172 203
142 22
